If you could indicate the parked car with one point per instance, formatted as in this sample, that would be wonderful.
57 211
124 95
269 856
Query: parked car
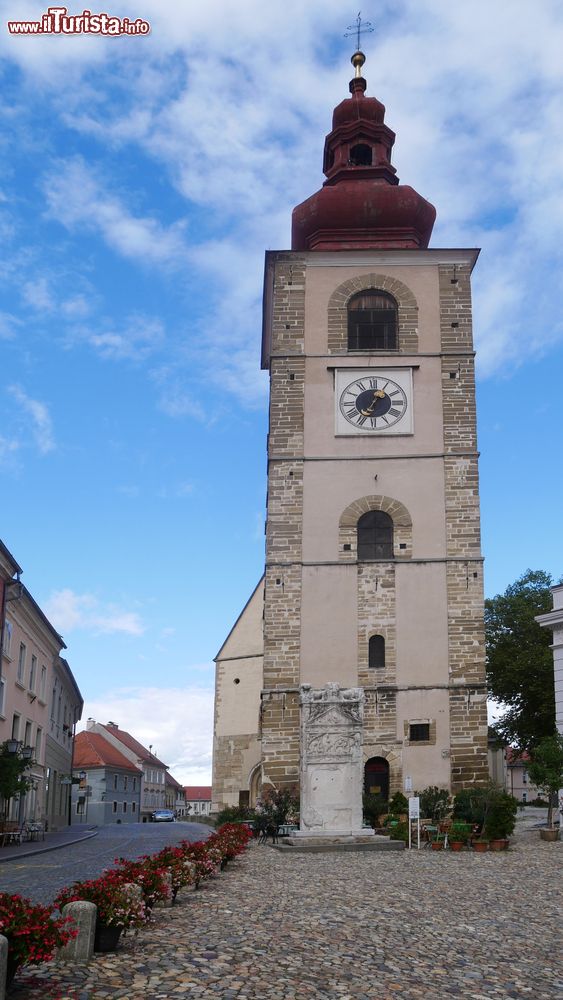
163 816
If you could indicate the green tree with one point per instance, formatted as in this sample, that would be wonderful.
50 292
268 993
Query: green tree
12 775
520 661
546 769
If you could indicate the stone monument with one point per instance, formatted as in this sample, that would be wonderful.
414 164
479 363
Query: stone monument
331 764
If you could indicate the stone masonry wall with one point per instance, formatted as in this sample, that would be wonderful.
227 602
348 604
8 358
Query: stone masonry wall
468 741
282 600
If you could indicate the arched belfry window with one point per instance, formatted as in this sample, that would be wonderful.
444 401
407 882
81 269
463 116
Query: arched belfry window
375 535
376 652
360 155
372 322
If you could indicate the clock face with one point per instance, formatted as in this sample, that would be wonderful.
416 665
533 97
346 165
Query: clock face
375 401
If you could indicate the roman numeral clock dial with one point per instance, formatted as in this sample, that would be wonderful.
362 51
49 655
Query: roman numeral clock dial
374 402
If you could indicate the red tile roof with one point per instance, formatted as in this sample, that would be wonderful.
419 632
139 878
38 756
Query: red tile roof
170 780
200 792
515 759
92 750
132 744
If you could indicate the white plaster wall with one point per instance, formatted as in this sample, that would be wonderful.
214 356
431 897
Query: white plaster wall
329 631
237 705
329 487
422 279
425 764
320 409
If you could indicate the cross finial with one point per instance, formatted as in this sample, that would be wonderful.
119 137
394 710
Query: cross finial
358 28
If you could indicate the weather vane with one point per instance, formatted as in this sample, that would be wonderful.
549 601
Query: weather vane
366 27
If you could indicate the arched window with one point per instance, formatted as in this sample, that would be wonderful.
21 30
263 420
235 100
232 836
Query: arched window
375 535
376 652
361 155
372 322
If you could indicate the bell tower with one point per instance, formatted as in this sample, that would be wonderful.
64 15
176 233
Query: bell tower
373 576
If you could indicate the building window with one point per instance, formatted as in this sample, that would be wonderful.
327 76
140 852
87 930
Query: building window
21 663
7 639
134 784
376 652
419 732
115 782
32 673
38 738
124 807
43 683
524 777
125 783
27 735
2 694
15 726
372 322
114 807
133 807
375 535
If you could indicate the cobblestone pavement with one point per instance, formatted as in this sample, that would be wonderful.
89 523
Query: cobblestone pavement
40 876
342 927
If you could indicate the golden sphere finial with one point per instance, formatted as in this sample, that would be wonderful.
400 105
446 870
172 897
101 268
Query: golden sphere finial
358 60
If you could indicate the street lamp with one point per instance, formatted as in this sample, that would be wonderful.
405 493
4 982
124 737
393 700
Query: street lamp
17 747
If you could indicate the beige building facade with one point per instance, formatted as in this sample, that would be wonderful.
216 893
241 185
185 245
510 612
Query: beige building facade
373 573
40 702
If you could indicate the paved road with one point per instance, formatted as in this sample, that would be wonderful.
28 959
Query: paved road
41 876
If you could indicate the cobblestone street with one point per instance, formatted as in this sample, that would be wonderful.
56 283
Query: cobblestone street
343 927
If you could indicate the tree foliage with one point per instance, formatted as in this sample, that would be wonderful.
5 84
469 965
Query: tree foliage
12 775
546 769
520 661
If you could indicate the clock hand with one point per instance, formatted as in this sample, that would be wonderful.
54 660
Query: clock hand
378 394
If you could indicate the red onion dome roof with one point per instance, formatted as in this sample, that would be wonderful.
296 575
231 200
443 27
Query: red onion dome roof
361 204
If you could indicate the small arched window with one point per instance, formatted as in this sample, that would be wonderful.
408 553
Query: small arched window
361 155
376 652
375 535
372 322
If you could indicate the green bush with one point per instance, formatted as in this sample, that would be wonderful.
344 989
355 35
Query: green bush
398 804
434 803
500 817
234 814
399 832
374 807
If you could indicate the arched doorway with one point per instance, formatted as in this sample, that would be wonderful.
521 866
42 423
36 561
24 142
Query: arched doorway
376 777
255 785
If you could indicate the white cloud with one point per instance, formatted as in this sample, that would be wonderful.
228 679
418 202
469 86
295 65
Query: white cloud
178 722
38 295
136 340
77 197
69 611
41 423
9 324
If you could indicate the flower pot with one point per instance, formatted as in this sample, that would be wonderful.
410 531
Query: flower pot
12 966
106 937
546 833
437 845
456 845
498 844
480 846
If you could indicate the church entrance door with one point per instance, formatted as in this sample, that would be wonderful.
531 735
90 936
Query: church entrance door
376 777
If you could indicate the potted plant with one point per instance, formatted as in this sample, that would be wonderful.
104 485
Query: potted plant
118 908
434 803
500 818
374 807
546 771
458 835
33 935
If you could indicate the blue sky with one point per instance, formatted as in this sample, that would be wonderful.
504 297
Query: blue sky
141 181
